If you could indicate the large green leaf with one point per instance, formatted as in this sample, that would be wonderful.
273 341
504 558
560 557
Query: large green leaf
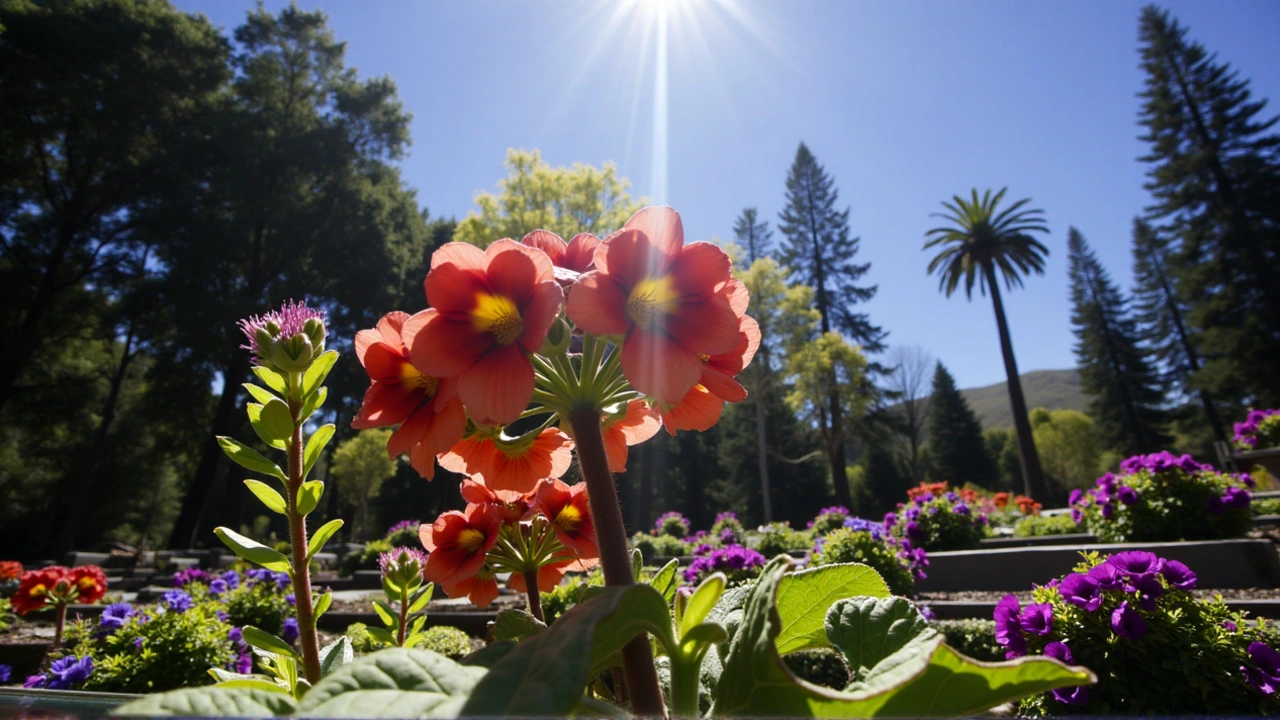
267 495
255 420
545 675
516 625
321 536
395 683
271 378
803 599
318 371
209 702
248 458
870 631
702 601
253 551
667 580
309 494
755 681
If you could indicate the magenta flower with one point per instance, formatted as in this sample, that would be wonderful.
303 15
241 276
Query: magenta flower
1081 591
1009 627
1037 618
1076 696
1127 622
1107 576
284 323
1265 673
1136 563
1215 504
1179 575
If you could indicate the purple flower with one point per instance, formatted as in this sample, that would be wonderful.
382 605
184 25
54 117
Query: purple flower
115 616
1081 591
232 579
222 615
1108 511
39 681
5 673
1075 496
731 560
912 513
68 671
1149 590
218 587
1076 696
1229 626
1127 623
1179 575
1265 673
177 601
404 525
927 613
1009 627
857 524
1108 480
1136 563
727 515
1215 504
960 509
890 519
1127 495
291 599
1076 515
1037 618
914 532
673 517
1237 498
236 636
1107 576
290 632
138 642
244 663
190 575
289 320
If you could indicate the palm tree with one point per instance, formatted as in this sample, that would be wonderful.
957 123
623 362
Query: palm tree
977 241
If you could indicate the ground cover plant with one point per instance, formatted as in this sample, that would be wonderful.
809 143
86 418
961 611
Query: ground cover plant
1162 497
1259 430
936 518
1155 649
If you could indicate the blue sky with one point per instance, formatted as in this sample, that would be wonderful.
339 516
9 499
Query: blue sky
905 103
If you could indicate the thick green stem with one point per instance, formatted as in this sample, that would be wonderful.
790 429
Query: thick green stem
611 536
684 686
301 565
534 594
404 616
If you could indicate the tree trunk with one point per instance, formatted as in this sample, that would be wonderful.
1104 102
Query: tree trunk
1184 339
835 448
1032 475
187 526
14 359
762 456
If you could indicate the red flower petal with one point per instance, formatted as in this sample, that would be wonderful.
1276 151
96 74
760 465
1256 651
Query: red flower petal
701 269
386 405
539 312
441 347
580 255
707 327
699 410
452 289
662 225
548 242
498 387
598 305
658 367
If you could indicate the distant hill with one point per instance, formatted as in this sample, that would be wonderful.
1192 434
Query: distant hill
1052 389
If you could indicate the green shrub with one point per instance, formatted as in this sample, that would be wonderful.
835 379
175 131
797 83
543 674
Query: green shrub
728 529
822 666
366 559
1266 506
1042 525
569 593
852 546
778 539
260 604
362 642
404 534
975 638
446 640
829 519
153 651
939 522
672 524
651 546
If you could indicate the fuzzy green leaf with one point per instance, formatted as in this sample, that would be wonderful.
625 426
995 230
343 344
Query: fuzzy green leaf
309 494
322 604
804 596
667 580
321 536
267 642
868 631
277 421
260 394
337 653
516 625
315 445
271 378
248 458
385 612
267 495
394 683
703 600
318 371
209 702
313 402
254 411
253 551
421 597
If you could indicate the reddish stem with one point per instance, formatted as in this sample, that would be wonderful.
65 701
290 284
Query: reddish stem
60 623
611 536
534 594
301 568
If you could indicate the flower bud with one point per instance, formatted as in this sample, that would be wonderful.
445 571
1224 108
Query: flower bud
315 331
294 354
557 340
403 567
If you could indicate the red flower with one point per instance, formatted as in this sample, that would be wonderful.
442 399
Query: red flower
549 576
578 256
10 570
514 464
670 301
37 586
1001 500
701 406
510 505
568 510
489 309
457 543
638 423
481 588
430 415
89 582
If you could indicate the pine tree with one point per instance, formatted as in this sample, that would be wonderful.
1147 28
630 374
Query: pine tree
1215 177
754 235
1161 315
1114 369
820 252
958 450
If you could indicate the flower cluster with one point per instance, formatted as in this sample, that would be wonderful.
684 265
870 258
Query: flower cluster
1260 429
1164 497
64 673
539 535
672 523
738 563
1114 615
1025 505
867 542
828 519
947 520
58 586
288 339
10 574
727 529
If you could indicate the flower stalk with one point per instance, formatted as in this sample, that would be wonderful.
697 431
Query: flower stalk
301 572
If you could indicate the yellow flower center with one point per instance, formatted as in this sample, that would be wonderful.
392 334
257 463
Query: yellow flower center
86 583
498 315
569 518
470 540
411 378
39 590
650 300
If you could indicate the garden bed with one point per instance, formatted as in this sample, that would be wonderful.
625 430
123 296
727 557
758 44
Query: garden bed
1226 564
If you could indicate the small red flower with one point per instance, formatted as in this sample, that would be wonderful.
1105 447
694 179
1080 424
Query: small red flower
457 543
578 255
637 423
568 509
1001 500
89 582
10 570
38 587
701 407
489 310
668 299
481 588
430 414
510 505
514 464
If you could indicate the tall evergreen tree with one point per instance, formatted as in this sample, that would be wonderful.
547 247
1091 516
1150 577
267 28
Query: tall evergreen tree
754 235
1114 368
956 444
819 251
1214 172
1161 315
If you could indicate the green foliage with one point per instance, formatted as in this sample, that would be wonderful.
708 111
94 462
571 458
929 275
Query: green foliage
779 539
366 559
850 546
1188 661
1171 505
362 641
1068 444
956 444
829 520
569 593
261 605
820 666
1115 369
446 640
651 546
1043 525
1266 506
972 638
360 466
938 526
177 649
